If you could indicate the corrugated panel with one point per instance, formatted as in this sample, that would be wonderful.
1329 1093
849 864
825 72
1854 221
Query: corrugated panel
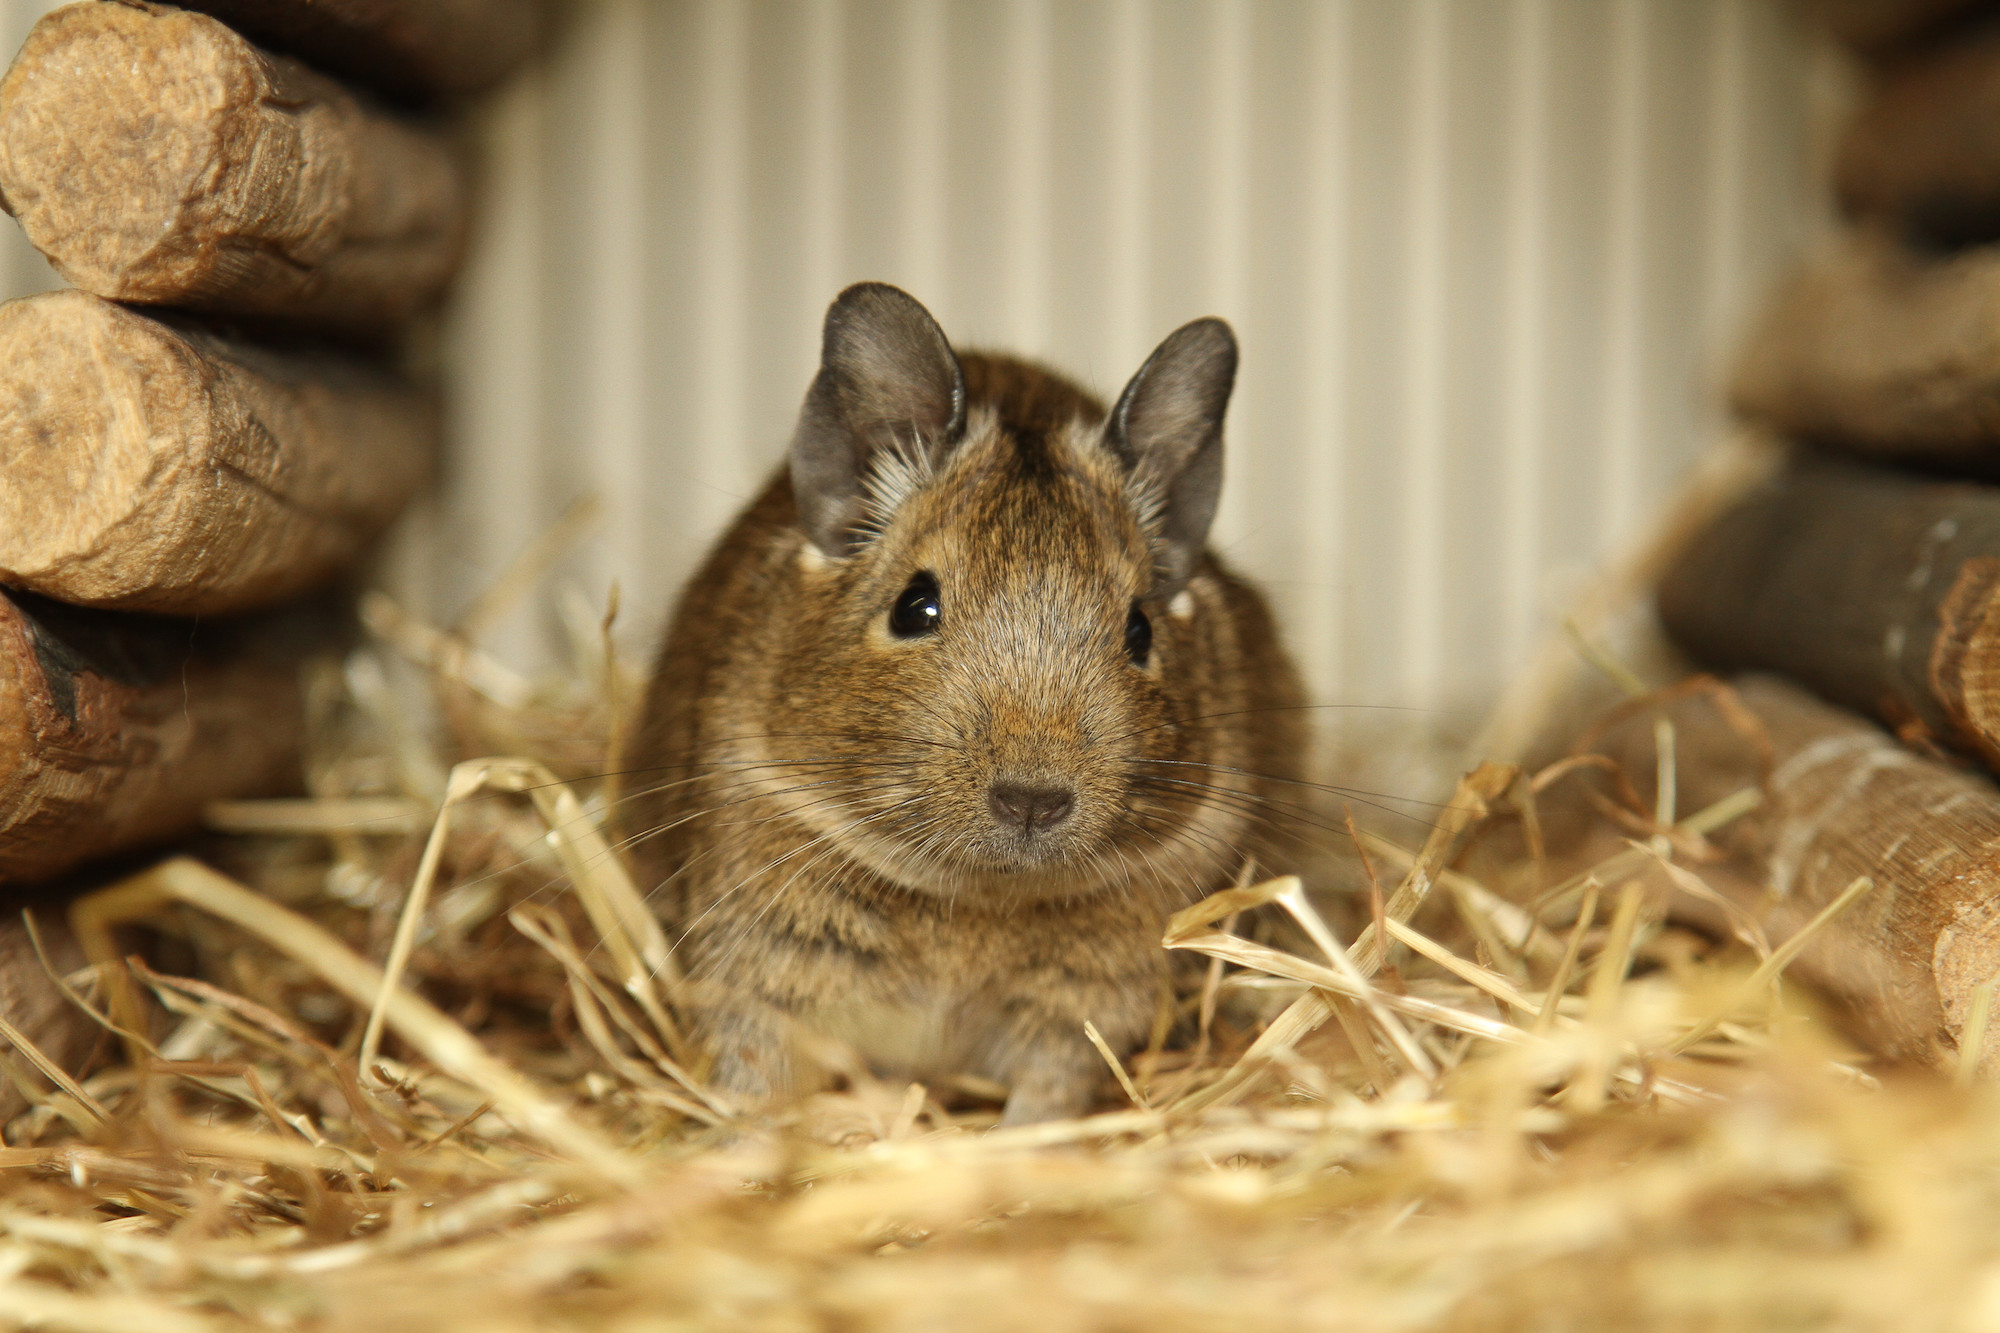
1480 253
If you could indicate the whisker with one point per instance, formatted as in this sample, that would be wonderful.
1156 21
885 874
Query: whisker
1261 804
1305 811
1346 793
1270 708
727 894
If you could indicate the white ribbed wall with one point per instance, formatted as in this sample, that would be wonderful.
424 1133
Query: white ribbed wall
1481 255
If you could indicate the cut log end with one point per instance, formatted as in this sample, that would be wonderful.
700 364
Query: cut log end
30 999
154 468
110 186
155 156
1965 658
116 730
82 388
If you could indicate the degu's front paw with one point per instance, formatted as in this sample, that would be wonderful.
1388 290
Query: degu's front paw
1054 1089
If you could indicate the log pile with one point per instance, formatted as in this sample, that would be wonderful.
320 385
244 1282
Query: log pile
202 439
1855 595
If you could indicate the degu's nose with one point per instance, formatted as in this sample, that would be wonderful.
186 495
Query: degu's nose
1033 810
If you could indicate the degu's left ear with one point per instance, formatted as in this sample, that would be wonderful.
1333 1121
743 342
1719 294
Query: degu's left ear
1167 429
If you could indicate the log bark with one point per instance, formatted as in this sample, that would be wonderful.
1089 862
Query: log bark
115 730
155 156
1924 151
409 48
1846 800
1878 590
160 468
1883 353
1881 28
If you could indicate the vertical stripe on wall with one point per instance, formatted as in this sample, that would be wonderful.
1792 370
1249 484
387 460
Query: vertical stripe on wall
1523 421
1420 624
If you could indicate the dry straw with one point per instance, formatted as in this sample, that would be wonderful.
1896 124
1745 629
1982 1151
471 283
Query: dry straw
1539 1105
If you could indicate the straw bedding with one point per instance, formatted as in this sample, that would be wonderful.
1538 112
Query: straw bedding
1569 1114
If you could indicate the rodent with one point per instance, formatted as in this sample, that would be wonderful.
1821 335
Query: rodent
956 714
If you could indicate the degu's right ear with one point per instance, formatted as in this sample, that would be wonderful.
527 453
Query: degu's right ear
888 381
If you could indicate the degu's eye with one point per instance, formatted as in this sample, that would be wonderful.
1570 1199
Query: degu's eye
1138 636
916 609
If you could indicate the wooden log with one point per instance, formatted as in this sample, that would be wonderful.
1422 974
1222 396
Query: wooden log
1883 353
1924 151
1879 590
160 468
1846 800
155 156
115 730
1880 28
409 48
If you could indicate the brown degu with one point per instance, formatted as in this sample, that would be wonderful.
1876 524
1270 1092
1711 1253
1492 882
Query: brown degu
956 714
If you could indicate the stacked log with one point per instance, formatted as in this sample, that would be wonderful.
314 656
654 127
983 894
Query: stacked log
116 730
1844 799
155 156
1885 352
1866 571
201 441
198 475
1881 591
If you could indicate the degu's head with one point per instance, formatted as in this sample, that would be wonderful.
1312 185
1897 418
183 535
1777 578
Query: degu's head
1000 616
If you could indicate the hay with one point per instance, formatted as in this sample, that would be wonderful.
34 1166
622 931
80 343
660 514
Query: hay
1572 1115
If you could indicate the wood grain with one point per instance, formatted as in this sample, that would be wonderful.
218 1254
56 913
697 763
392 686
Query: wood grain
155 156
115 730
157 467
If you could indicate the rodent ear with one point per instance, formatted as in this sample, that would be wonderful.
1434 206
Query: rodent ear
1167 430
888 381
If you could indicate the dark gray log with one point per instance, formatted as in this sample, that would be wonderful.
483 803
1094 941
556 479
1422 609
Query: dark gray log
1871 587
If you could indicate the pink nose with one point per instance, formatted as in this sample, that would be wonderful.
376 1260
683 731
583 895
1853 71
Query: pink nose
1031 809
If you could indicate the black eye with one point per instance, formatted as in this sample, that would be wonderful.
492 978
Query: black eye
1138 635
916 609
